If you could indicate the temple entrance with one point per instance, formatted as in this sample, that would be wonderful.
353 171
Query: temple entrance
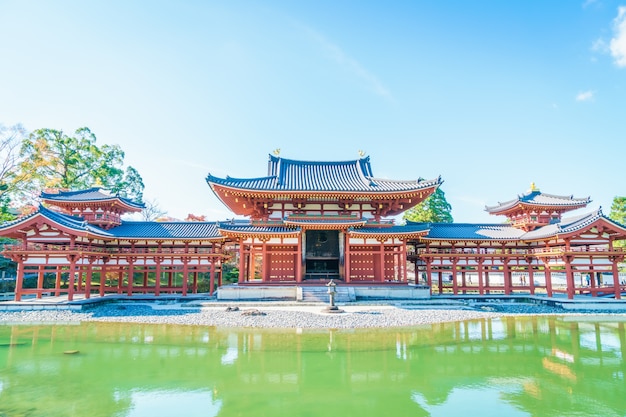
322 254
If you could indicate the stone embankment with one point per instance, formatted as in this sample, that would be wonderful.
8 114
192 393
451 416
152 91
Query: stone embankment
276 316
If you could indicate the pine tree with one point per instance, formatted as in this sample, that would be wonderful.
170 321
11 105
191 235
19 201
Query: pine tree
435 209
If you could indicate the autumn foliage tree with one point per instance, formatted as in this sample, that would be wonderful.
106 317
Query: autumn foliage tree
435 209
52 159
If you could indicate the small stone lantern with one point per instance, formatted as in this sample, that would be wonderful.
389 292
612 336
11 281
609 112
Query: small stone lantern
332 290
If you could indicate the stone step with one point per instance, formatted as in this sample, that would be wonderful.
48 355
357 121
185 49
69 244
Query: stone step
320 294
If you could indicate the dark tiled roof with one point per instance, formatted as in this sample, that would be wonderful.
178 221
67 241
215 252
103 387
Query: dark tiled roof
344 176
71 222
250 228
393 230
90 194
167 230
536 197
470 231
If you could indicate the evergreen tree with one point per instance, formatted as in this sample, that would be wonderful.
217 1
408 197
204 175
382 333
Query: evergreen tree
435 209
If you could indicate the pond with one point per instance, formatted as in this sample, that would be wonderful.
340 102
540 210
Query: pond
513 366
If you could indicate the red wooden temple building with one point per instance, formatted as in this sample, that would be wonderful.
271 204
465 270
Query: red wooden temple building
307 222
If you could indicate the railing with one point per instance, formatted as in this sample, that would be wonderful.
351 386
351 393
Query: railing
513 251
45 247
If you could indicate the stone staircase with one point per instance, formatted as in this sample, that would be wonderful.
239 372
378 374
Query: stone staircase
320 294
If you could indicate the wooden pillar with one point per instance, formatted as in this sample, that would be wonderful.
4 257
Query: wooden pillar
297 262
569 277
19 281
616 283
157 278
212 276
548 280
481 270
131 276
185 273
381 266
455 283
506 271
242 261
88 278
265 267
429 271
440 275
103 276
72 277
531 278
347 264
40 274
57 280
402 262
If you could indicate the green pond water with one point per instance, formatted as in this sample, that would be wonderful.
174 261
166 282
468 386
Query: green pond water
519 366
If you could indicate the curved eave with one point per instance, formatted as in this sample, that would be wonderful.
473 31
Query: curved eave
387 235
321 225
229 196
238 234
16 228
110 202
565 204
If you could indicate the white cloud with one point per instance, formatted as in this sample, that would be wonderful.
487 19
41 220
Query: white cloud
618 42
350 64
584 96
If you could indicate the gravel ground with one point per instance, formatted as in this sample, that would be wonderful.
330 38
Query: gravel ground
274 316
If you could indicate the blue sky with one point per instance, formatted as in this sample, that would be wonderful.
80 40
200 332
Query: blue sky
490 95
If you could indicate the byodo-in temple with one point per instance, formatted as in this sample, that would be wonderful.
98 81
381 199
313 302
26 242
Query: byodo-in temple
306 223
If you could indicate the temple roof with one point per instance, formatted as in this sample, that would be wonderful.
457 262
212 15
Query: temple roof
470 231
127 230
94 194
343 176
167 230
534 197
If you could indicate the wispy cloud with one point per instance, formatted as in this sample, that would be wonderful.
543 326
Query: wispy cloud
584 95
618 42
339 56
588 3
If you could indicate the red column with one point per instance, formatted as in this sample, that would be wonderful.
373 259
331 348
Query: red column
616 283
57 282
480 270
72 277
19 282
157 278
212 276
569 277
548 280
88 280
507 276
131 273
298 260
381 267
103 277
40 274
242 261
347 265
185 272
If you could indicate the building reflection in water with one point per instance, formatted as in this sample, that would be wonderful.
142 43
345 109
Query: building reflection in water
508 366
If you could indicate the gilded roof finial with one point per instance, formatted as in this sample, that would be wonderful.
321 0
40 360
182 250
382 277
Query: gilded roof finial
276 151
533 187
361 153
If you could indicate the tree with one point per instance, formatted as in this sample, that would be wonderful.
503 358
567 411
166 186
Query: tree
618 210
152 211
53 159
435 209
11 180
